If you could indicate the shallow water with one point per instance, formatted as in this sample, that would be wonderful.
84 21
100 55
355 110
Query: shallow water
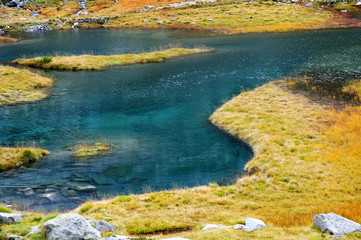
155 115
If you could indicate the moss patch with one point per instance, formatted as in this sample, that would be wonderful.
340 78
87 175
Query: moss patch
93 149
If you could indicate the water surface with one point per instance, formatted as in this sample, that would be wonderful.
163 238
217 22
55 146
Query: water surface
155 115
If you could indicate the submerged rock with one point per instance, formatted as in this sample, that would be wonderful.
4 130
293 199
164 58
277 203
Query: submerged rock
335 224
103 226
70 226
81 186
10 217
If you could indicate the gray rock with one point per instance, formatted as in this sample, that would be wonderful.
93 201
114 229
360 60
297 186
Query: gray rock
116 237
239 226
11 4
34 230
160 22
70 226
92 223
145 20
81 186
309 5
103 226
335 224
10 217
51 197
14 237
210 19
336 236
358 4
253 224
175 238
210 226
38 28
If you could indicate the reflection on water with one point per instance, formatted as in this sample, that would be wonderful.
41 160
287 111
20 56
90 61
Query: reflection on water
156 115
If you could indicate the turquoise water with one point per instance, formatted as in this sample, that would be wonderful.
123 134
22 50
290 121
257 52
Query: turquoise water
155 115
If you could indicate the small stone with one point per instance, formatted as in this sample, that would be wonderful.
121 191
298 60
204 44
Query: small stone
116 237
336 236
175 238
80 186
309 5
160 22
14 237
253 224
28 191
210 19
34 230
145 20
210 226
103 226
239 226
10 217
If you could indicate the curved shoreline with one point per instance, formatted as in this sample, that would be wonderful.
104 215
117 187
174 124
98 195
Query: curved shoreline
289 184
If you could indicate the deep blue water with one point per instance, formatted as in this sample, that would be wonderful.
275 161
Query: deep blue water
155 115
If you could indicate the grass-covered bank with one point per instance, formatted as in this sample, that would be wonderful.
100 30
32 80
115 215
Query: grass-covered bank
7 39
20 86
306 162
222 17
16 157
97 62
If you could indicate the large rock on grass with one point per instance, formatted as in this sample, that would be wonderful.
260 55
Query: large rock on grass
335 224
253 224
70 226
10 217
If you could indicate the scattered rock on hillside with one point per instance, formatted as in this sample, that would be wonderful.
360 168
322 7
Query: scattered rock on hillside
70 226
239 226
336 236
10 217
210 226
335 224
92 223
34 230
11 4
309 5
253 224
116 237
14 237
175 238
103 226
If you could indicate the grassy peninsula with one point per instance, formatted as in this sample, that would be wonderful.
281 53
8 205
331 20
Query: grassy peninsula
97 62
306 162
21 85
15 157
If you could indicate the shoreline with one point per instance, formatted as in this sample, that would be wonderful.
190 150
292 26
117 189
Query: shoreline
278 190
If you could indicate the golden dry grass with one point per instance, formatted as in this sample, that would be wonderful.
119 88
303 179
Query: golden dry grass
306 162
19 86
228 18
97 62
15 157
7 39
